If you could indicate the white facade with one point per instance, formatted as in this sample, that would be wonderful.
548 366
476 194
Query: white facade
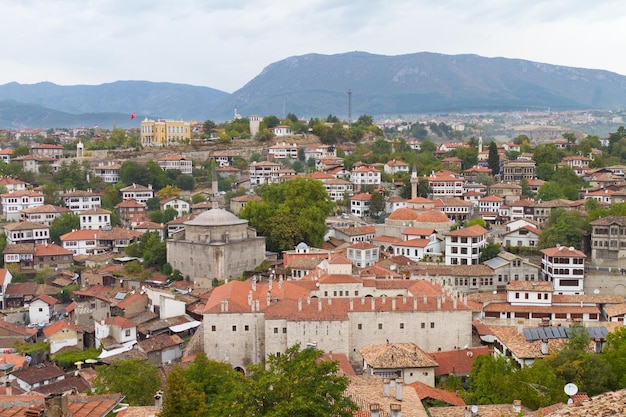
283 151
565 268
27 232
95 219
445 185
178 162
181 206
360 205
463 246
138 193
263 173
79 201
13 203
110 173
365 176
40 311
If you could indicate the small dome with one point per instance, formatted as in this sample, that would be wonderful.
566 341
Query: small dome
215 217
403 214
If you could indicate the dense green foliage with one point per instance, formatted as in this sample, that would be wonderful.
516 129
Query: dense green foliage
295 383
136 379
291 212
500 381
63 224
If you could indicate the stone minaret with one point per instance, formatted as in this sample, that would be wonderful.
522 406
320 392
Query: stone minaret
480 144
214 183
414 181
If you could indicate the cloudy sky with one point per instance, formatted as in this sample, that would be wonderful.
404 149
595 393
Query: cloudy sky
225 43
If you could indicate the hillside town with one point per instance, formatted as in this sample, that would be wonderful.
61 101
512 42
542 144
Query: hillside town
405 253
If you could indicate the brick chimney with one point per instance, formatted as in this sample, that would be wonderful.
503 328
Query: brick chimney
158 399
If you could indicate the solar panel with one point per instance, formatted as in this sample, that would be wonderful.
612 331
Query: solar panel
559 332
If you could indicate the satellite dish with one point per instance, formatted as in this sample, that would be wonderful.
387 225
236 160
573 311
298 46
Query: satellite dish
474 409
570 389
596 291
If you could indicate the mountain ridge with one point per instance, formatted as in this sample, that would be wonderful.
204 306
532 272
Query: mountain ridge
315 85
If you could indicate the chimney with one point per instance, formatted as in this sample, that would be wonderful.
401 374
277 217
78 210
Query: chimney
319 304
8 389
414 303
158 399
545 350
393 303
425 299
454 301
396 409
55 405
351 304
299 304
517 406
373 303
257 305
438 303
375 410
399 382
386 383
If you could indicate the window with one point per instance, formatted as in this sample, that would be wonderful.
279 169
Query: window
423 325
402 325
127 333
284 330
359 326
275 330
432 324
246 328
234 328
380 326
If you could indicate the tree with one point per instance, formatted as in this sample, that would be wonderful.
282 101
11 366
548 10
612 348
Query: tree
168 192
615 355
136 379
207 127
298 208
493 161
181 398
185 182
295 383
63 224
564 228
377 204
132 172
3 245
491 250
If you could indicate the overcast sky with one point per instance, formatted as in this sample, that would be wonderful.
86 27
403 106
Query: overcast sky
223 44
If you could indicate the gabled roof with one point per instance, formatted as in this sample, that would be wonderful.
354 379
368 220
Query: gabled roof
34 374
396 355
563 251
425 392
119 321
46 299
58 326
458 361
472 231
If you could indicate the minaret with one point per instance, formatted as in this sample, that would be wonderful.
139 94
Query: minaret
214 183
414 181
480 144
80 149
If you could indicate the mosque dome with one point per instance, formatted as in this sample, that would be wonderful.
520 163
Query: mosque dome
215 217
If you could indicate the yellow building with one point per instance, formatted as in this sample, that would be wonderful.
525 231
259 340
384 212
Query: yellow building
163 132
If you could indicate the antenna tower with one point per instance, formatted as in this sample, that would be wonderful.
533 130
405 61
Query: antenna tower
349 108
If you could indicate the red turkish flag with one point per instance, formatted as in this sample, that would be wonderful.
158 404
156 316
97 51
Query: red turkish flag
132 116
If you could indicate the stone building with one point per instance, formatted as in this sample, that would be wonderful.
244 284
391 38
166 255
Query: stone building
215 244
246 321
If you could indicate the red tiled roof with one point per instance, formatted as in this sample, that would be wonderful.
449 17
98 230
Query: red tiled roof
457 361
424 391
403 214
51 250
59 325
472 231
563 251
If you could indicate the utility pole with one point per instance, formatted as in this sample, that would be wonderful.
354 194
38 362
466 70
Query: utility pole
349 108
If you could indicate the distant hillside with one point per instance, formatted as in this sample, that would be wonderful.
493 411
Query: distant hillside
167 100
316 85
14 115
